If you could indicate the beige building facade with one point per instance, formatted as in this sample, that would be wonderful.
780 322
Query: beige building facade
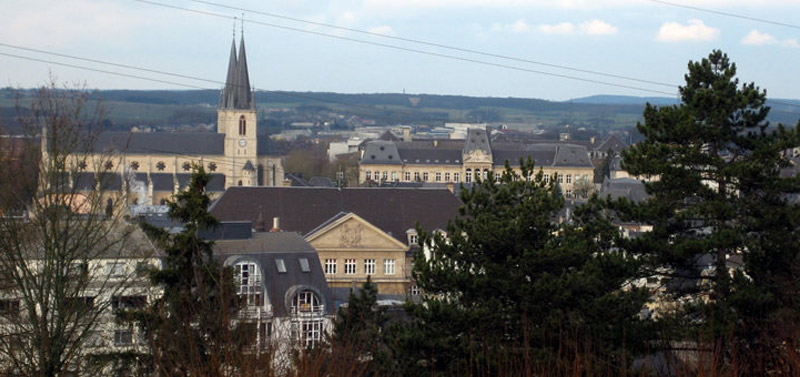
465 161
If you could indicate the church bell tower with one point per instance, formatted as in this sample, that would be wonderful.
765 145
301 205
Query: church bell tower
236 118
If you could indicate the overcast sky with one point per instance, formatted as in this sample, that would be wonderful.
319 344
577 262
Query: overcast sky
642 40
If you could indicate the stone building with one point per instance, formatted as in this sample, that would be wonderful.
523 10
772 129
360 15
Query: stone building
151 166
464 161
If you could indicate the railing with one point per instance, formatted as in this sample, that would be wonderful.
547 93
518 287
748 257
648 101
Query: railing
256 312
307 310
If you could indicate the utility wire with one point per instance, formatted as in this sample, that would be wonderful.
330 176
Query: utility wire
428 43
375 112
407 49
743 17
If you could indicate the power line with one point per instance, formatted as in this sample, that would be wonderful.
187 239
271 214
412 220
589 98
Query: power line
377 111
407 49
784 24
428 43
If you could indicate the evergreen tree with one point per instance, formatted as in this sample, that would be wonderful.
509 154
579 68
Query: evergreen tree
189 329
718 196
512 290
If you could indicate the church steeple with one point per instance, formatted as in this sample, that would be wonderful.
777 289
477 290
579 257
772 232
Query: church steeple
236 94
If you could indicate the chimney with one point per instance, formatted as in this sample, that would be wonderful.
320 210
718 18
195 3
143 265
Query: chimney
276 225
406 133
435 143
592 140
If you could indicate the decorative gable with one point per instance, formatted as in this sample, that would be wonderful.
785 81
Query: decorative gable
350 232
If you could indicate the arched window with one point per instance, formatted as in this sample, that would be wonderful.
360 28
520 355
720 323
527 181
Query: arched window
306 301
248 283
468 176
242 125
240 183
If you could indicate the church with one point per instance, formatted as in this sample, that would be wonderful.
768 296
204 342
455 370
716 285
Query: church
149 167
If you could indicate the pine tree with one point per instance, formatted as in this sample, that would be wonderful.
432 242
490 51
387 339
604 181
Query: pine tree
189 329
718 197
511 290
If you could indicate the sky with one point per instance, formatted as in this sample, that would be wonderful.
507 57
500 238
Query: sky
547 49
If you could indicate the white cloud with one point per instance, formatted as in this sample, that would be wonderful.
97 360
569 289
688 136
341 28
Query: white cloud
695 31
757 38
384 29
790 42
520 26
597 27
562 28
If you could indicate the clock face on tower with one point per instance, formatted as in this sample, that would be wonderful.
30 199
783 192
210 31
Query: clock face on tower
242 143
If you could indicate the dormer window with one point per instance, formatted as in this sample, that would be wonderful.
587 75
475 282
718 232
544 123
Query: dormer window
242 125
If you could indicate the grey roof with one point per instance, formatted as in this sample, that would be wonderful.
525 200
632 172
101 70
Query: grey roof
265 249
302 209
572 155
477 140
612 143
381 152
248 166
193 143
235 230
105 181
629 188
162 181
236 95
433 156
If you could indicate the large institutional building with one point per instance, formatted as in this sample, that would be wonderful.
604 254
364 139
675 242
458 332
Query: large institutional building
152 166
464 161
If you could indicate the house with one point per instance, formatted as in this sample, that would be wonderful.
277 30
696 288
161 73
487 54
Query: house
281 282
357 232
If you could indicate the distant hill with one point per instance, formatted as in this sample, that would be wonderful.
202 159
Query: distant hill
607 99
173 108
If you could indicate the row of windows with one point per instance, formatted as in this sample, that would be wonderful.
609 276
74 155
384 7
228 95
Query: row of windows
351 266
446 177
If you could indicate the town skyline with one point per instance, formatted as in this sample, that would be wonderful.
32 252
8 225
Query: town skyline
292 46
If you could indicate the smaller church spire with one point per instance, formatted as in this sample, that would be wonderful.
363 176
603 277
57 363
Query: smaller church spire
236 95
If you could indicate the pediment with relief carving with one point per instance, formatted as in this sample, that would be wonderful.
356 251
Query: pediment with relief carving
353 232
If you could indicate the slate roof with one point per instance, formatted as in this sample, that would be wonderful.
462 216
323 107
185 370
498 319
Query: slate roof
629 188
265 249
612 143
107 181
381 152
477 140
450 152
192 143
162 181
236 95
302 209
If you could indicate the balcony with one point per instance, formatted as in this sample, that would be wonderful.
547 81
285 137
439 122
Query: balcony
307 310
256 312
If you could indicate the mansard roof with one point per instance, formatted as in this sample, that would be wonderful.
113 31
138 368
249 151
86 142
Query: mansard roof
281 285
150 143
236 95
302 209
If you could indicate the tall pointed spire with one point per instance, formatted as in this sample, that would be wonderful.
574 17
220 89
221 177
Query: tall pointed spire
236 94
227 98
244 98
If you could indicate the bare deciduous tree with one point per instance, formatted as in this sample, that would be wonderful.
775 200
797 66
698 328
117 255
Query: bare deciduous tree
63 257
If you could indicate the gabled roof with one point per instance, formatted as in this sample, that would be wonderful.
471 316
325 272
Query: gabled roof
302 209
612 143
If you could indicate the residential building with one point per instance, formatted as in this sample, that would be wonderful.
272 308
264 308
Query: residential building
357 232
